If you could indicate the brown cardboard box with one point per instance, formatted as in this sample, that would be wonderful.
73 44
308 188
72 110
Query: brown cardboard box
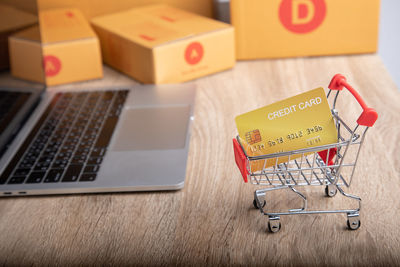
11 21
162 44
26 55
290 28
68 49
92 8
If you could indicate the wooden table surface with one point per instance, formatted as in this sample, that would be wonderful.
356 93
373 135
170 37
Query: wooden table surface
211 221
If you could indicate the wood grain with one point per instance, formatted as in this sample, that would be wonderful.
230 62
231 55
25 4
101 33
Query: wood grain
211 221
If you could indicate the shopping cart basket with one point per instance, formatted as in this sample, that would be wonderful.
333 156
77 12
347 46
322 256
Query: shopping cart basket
329 165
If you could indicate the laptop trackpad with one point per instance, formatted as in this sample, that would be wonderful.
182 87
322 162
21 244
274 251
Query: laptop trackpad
152 128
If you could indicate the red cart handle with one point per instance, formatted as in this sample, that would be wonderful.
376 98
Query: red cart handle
369 116
240 159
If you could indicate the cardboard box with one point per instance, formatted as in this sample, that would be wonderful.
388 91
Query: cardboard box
97 8
290 28
11 21
66 49
26 58
162 44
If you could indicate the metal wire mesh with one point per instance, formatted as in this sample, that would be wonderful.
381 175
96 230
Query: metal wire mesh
307 167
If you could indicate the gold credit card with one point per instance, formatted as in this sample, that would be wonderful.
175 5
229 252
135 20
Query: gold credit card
301 121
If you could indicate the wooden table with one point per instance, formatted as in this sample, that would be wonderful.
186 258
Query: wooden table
211 221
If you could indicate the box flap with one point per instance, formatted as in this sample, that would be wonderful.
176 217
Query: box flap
156 24
30 34
13 19
64 24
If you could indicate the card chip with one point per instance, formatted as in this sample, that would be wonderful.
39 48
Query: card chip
253 137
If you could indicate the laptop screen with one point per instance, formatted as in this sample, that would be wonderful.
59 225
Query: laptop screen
17 96
10 103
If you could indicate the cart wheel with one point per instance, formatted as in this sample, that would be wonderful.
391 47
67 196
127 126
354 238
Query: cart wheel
256 205
354 224
330 191
274 227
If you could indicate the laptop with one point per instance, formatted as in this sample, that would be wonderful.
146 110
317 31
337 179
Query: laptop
94 141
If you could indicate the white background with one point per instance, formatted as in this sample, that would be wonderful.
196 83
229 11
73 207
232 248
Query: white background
389 37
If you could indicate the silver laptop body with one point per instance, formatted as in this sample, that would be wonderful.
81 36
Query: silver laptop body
148 149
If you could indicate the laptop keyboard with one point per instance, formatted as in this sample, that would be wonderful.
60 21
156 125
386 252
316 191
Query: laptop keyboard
69 141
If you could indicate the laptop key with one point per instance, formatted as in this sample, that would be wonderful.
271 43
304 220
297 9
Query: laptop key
22 172
65 154
49 155
91 168
42 167
25 165
94 161
78 160
46 159
72 173
42 164
28 160
98 152
34 152
54 176
123 93
35 177
82 152
87 143
88 177
106 132
67 150
17 180
60 164
107 95
63 157
50 150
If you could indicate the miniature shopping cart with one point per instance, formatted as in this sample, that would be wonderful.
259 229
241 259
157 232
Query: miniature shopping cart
329 165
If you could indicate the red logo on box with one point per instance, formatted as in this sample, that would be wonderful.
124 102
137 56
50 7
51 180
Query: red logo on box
52 65
194 53
69 14
302 16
